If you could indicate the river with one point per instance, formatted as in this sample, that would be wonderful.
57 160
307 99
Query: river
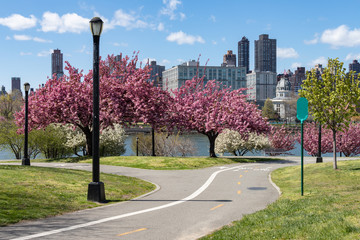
200 141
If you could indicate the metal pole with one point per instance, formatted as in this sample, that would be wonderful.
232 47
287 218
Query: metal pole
96 122
26 160
137 146
302 158
153 141
319 158
96 190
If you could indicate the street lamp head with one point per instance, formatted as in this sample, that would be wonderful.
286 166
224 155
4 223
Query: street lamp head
96 25
26 87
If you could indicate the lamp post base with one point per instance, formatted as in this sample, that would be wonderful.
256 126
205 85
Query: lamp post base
25 162
96 192
319 160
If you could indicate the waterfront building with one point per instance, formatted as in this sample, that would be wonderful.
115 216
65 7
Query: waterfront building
297 79
57 63
261 85
283 95
15 84
156 73
354 66
175 77
229 59
3 91
265 54
243 53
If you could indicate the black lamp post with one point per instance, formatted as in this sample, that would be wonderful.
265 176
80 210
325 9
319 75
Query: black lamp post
319 159
26 160
96 190
137 146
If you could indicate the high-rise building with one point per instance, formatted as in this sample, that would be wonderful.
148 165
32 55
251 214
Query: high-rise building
354 66
297 79
15 84
243 53
230 76
3 91
265 54
261 86
229 59
156 73
57 63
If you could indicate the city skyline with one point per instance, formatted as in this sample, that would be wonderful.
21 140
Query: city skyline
172 32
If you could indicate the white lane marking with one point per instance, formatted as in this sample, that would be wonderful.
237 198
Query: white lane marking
195 194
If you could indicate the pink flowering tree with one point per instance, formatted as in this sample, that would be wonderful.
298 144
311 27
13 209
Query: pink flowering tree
311 139
348 141
126 97
281 140
210 108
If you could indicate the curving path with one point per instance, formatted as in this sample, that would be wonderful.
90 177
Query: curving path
188 204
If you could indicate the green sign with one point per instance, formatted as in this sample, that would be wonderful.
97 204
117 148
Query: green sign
302 109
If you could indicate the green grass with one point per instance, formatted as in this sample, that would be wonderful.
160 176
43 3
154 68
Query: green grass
34 192
329 209
163 163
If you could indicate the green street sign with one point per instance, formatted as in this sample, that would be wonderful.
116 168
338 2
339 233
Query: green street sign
302 109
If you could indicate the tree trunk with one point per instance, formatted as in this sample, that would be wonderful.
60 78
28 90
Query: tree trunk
212 138
334 149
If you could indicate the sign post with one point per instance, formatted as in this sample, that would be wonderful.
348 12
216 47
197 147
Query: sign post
302 115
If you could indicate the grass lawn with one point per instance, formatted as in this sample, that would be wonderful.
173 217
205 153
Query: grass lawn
34 192
329 209
163 163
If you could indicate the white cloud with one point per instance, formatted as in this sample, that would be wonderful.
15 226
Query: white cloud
320 60
70 22
128 20
286 53
8 38
160 27
122 44
170 7
29 38
22 37
295 65
45 53
18 22
182 16
164 62
341 36
25 53
352 56
313 41
183 38
212 18
223 39
214 42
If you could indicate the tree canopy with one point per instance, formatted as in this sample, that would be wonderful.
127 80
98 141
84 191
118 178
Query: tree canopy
332 97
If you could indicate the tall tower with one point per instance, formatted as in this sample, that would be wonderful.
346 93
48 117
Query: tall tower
265 54
243 53
57 63
229 59
15 84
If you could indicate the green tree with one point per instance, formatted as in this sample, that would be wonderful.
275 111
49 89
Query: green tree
268 110
10 103
332 97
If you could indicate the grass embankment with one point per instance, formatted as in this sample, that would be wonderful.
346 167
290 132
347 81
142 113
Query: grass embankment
162 163
329 209
33 192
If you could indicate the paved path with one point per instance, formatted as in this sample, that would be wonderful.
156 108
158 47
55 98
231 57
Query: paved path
187 205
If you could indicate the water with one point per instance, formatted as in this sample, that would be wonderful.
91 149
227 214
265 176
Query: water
201 142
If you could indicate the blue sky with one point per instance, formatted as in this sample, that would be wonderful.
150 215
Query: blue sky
172 31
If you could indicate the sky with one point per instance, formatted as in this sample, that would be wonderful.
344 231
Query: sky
173 31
